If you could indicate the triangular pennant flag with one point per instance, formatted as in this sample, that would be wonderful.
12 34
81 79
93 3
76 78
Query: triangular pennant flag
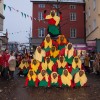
25 15
9 8
4 5
17 10
22 14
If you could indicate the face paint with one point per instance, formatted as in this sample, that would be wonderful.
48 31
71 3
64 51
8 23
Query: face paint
43 72
48 39
31 73
34 62
81 73
54 75
76 60
69 46
48 60
39 49
65 72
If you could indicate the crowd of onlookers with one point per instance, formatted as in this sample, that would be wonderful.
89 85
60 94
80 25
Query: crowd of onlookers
91 62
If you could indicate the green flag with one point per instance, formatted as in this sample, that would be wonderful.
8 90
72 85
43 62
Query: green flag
9 8
25 15
22 14
4 5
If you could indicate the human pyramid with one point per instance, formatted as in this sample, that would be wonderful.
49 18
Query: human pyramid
55 63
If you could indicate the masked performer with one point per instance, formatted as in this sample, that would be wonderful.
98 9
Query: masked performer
39 54
68 52
53 21
31 78
62 42
48 43
80 78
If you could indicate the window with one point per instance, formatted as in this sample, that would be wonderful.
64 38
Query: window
40 15
41 32
72 6
73 33
94 4
94 24
72 16
41 5
56 6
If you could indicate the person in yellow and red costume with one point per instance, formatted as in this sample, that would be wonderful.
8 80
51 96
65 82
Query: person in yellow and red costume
66 79
49 64
39 54
31 78
68 52
80 78
42 79
53 21
76 65
53 53
62 42
48 43
35 65
61 64
54 80
23 67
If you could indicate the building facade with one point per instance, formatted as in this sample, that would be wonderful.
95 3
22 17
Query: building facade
1 15
93 23
72 24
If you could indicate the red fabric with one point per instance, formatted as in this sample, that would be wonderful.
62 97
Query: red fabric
1 60
40 68
62 52
55 43
37 82
42 44
51 21
69 68
26 82
6 58
49 81
60 16
59 81
54 68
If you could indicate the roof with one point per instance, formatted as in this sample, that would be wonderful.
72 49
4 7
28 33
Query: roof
76 1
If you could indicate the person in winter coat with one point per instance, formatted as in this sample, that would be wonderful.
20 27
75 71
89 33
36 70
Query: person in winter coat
12 64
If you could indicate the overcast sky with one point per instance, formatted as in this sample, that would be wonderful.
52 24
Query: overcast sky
14 22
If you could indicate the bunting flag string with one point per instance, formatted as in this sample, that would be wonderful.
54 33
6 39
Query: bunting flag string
22 13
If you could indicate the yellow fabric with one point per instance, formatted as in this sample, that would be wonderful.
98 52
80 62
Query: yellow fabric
35 67
69 53
39 56
61 64
33 77
26 65
50 64
58 40
52 79
40 77
82 79
74 64
46 44
54 54
56 18
44 65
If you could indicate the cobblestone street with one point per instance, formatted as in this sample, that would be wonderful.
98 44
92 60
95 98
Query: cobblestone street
13 90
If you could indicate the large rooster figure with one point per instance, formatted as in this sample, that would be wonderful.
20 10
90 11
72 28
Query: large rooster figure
53 22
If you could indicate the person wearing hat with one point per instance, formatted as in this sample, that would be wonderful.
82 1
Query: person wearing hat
62 42
53 21
42 79
54 79
35 65
80 78
39 54
54 53
66 78
68 52
61 64
23 67
76 65
31 78
48 43
49 64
